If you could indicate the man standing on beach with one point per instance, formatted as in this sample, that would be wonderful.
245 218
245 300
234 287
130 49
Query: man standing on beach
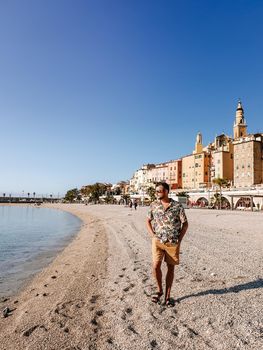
167 225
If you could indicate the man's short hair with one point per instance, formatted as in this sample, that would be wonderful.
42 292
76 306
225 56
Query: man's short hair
164 184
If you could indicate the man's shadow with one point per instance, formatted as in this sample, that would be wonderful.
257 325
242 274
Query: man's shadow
235 289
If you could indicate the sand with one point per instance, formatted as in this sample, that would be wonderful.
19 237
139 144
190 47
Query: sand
96 293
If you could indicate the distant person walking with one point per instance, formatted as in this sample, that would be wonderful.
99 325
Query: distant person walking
167 225
130 205
135 204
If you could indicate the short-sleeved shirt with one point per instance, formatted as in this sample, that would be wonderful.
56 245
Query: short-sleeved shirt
167 223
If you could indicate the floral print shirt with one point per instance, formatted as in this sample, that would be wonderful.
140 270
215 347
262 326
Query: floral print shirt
167 223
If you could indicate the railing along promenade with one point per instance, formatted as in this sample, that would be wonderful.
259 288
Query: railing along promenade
31 200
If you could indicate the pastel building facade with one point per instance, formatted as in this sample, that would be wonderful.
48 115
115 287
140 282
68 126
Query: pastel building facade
222 158
196 167
248 161
175 174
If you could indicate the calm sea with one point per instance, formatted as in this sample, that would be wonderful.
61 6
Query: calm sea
29 238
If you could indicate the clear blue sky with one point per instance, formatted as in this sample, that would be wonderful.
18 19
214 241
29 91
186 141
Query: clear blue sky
91 90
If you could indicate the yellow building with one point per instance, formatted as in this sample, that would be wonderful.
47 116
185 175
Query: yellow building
175 174
196 167
222 160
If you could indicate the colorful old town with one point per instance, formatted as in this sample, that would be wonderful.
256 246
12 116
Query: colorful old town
234 164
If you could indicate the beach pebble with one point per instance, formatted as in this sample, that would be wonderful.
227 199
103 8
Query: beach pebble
213 274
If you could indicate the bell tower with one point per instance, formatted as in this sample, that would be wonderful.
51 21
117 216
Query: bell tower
198 144
240 126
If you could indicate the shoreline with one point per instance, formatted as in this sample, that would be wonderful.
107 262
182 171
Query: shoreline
96 294
45 292
37 262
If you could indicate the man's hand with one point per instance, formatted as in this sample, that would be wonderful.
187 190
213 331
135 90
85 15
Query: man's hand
149 228
183 232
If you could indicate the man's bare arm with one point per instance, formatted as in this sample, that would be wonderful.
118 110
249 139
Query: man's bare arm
183 231
149 227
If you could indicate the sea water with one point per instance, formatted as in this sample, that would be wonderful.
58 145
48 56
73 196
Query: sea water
30 237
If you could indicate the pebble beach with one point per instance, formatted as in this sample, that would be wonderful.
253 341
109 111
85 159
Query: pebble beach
96 294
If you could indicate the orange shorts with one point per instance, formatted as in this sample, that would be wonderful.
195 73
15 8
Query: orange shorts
168 251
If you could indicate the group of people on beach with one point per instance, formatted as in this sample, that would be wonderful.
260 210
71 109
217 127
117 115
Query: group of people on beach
133 204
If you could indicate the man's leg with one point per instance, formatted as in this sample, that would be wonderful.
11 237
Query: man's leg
157 273
169 281
158 254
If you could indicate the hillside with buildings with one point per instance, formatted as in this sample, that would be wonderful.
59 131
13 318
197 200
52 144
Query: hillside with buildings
237 159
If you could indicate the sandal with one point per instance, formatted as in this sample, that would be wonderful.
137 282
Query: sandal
170 302
156 297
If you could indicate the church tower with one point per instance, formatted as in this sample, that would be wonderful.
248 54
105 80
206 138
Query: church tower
240 127
198 144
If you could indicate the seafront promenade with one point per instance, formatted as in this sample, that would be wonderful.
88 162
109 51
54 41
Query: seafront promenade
96 293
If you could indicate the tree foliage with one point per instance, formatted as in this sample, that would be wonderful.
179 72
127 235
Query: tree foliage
183 194
93 192
72 195
151 193
220 182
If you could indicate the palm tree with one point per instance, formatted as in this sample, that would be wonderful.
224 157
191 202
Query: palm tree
28 194
125 197
183 194
220 182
